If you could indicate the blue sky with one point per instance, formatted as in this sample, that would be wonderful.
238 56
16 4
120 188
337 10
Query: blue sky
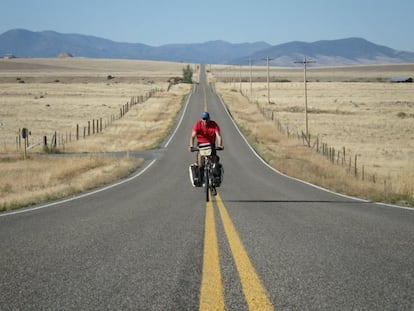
158 22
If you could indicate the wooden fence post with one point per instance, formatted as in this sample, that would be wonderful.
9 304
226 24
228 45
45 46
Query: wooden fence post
356 171
363 172
54 140
317 144
20 139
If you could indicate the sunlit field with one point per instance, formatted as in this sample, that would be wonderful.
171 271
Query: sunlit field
352 109
372 119
57 95
54 97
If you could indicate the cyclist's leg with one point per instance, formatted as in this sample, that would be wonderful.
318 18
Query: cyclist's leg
198 159
217 167
200 169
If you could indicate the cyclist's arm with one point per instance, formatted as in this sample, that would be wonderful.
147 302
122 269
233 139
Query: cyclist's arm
219 140
192 137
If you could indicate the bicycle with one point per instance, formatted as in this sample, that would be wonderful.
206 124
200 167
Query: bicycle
207 168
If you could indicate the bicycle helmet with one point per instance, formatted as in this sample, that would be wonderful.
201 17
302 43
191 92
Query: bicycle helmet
205 115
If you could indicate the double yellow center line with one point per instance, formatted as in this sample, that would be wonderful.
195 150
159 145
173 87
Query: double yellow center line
211 295
205 98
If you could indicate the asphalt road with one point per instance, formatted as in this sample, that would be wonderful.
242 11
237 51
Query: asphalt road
151 242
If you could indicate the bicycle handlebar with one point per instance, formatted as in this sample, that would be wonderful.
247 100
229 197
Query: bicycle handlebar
197 149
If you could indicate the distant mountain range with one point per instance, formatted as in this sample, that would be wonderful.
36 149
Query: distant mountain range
349 51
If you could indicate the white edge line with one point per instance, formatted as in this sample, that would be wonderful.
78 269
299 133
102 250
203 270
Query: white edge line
302 181
81 195
180 121
106 187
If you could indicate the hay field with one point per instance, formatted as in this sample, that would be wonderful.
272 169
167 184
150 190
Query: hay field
48 95
351 107
373 120
362 73
54 95
88 68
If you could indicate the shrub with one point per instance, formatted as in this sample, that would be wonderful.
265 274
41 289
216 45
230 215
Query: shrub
187 75
402 115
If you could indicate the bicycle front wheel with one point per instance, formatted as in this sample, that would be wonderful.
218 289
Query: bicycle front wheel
207 182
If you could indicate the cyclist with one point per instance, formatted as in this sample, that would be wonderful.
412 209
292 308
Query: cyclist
206 131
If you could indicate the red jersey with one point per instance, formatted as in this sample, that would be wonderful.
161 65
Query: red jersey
206 133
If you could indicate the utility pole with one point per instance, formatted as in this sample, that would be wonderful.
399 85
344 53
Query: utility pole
268 59
240 79
235 76
251 88
305 62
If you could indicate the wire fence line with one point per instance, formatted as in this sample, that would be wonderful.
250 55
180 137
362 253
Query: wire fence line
58 139
337 156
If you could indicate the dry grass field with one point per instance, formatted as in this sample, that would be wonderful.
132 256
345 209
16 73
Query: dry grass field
48 95
56 95
372 119
350 107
